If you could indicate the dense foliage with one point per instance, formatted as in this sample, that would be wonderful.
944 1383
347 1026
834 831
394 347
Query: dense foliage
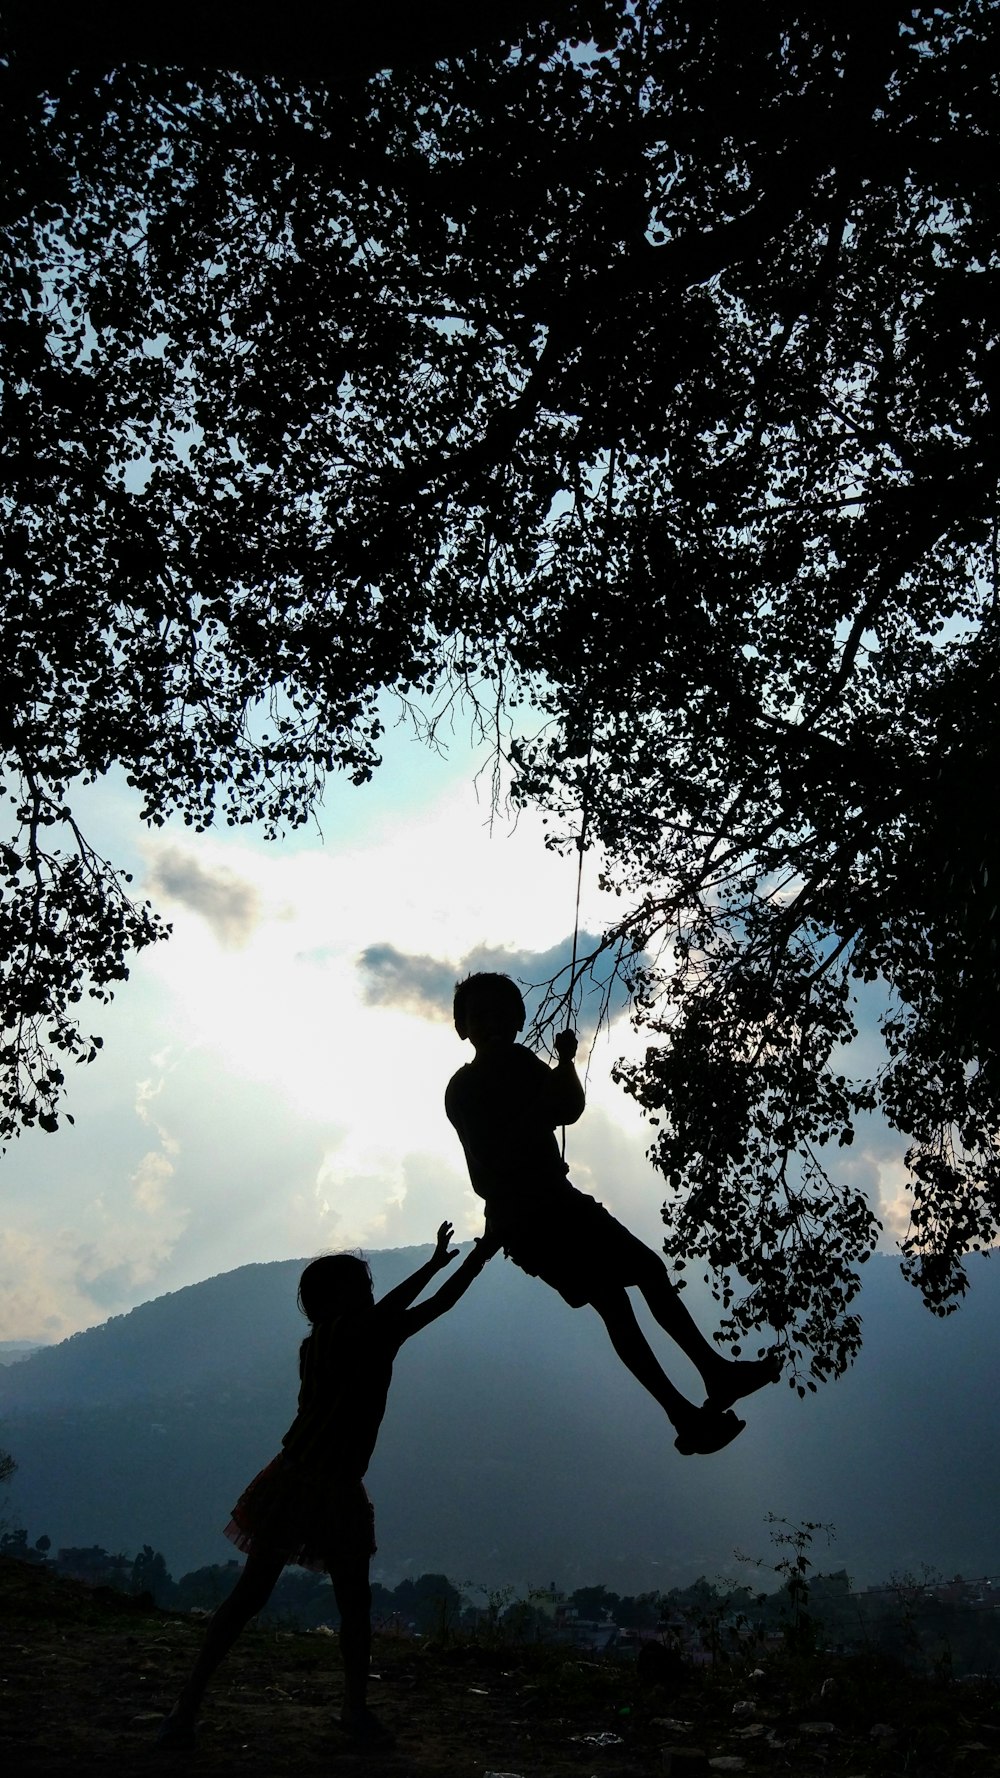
929 1624
641 391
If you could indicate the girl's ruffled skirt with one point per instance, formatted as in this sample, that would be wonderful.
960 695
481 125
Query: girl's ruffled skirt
308 1521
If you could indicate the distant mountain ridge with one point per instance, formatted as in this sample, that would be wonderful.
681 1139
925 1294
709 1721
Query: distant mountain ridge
13 1351
233 1324
515 1449
195 1333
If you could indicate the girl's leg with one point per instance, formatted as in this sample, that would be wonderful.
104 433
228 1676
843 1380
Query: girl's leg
698 1429
726 1380
250 1594
354 1602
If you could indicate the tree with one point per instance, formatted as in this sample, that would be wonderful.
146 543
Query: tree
595 1603
304 1598
8 1466
430 1603
95 1565
312 42
640 1611
15 1543
672 451
205 1588
149 1575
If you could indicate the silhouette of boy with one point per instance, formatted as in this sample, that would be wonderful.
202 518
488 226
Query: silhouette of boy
506 1105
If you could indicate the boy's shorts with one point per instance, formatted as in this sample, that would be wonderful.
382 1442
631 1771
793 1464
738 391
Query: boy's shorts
574 1244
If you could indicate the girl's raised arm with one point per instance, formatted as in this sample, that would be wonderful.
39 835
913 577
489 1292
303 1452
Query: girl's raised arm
406 1293
448 1295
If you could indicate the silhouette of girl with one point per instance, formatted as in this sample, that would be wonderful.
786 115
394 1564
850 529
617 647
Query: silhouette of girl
309 1505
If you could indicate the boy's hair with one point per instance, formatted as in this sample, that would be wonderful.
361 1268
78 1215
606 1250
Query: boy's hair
489 982
327 1281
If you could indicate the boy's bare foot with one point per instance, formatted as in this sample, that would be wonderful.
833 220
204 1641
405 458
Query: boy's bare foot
707 1431
739 1377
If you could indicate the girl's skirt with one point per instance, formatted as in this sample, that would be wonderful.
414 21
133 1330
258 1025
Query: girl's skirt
286 1511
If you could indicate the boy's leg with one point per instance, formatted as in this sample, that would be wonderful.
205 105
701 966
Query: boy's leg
250 1594
726 1379
699 1430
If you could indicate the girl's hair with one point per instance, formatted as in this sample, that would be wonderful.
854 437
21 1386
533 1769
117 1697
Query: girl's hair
328 1283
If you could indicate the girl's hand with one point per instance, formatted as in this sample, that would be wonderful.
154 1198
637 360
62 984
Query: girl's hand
565 1046
445 1236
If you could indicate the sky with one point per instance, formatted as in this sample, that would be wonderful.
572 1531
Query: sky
272 1078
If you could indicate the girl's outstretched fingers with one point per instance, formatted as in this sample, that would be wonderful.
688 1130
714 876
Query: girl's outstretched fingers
445 1236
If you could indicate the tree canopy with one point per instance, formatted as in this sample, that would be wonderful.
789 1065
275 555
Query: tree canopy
636 378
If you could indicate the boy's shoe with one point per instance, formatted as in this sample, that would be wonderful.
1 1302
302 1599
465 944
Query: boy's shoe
708 1431
364 1730
740 1377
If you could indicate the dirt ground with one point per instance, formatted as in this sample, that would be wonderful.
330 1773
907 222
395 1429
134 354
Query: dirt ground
86 1677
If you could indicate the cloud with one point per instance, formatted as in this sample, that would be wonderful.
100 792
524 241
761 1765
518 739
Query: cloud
53 1282
228 904
33 1294
424 985
132 1236
133 1231
416 984
150 1180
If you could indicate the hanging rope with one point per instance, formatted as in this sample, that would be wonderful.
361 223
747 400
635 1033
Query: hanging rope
581 840
581 847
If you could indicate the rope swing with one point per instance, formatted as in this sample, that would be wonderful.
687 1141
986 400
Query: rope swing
581 847
581 839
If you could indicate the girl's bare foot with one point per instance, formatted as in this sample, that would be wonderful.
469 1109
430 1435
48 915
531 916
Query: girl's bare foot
364 1728
176 1732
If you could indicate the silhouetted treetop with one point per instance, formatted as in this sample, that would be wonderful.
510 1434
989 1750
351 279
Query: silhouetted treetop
645 394
312 40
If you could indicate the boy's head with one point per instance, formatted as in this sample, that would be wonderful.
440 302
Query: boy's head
488 1008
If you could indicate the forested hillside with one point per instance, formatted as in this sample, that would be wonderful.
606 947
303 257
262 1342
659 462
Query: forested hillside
514 1449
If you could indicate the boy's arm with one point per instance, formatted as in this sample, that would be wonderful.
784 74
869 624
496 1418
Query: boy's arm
406 1293
568 1087
448 1295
